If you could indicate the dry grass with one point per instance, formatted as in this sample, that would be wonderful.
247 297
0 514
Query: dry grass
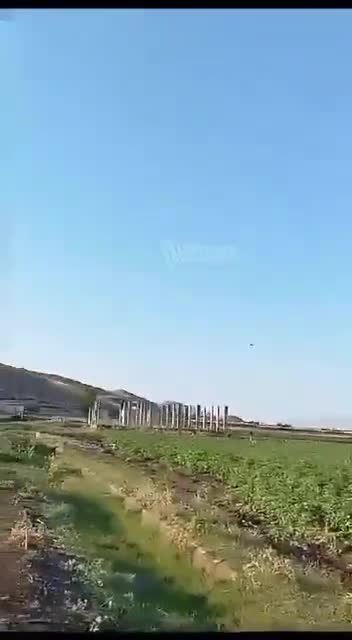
26 534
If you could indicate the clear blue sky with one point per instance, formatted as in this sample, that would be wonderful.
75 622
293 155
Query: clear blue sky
125 130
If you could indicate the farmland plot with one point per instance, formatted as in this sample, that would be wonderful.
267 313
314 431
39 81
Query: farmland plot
182 532
301 492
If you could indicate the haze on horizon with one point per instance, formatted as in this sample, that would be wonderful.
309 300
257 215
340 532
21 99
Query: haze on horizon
176 187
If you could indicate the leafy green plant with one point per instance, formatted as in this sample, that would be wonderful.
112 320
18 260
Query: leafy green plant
303 497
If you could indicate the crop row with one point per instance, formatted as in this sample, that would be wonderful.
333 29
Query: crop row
298 499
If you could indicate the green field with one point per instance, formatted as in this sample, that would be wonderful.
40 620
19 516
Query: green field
301 490
139 508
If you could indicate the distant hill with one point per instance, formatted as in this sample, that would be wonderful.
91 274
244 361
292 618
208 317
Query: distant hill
50 394
124 395
237 419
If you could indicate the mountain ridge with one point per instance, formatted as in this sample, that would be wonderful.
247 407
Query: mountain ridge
51 394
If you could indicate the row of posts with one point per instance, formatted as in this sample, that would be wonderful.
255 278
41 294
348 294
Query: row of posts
179 417
135 414
94 414
173 416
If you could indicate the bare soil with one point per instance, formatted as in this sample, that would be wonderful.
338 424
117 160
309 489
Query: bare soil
37 588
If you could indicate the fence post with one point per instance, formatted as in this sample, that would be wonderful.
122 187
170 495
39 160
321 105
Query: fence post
178 417
226 413
204 426
197 416
167 416
122 413
218 418
211 418
125 413
189 416
183 416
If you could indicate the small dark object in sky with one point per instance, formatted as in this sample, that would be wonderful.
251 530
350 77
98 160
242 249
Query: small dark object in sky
251 344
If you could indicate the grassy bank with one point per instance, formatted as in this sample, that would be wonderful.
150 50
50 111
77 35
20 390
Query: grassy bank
139 580
270 592
142 582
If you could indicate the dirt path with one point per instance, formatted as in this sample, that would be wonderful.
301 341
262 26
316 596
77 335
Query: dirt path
13 585
37 588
